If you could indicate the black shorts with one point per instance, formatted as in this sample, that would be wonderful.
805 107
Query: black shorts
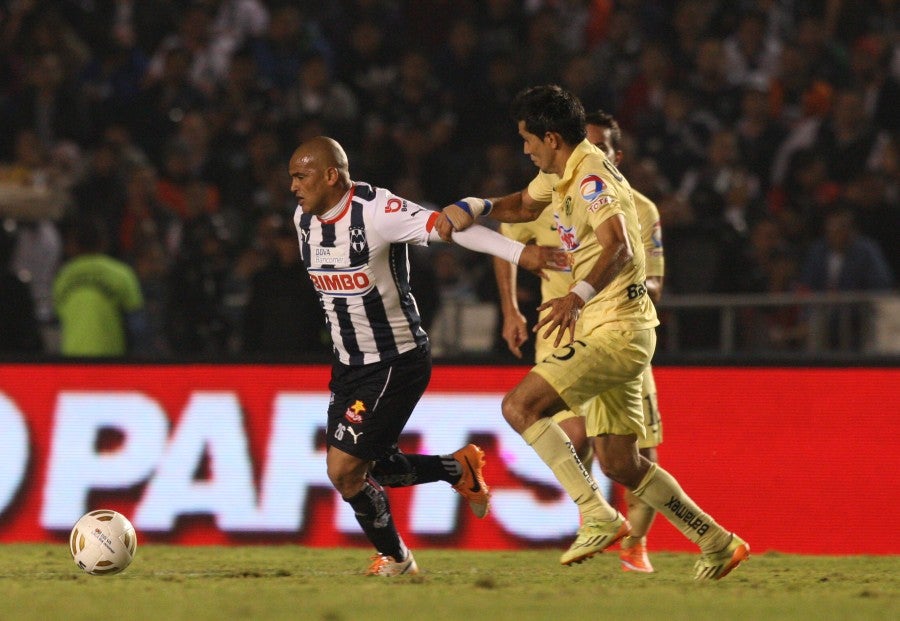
370 404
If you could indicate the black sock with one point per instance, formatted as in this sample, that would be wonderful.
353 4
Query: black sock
400 470
373 512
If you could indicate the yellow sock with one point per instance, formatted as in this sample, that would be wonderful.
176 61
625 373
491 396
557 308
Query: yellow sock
660 490
640 516
553 446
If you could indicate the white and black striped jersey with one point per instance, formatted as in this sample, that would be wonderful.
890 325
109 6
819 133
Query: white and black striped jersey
359 265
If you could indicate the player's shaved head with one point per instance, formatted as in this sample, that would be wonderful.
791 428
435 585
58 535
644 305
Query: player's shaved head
323 152
320 174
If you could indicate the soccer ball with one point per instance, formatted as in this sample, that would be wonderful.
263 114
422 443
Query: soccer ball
103 542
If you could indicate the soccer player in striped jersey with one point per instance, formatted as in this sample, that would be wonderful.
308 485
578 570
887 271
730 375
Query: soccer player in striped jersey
353 241
604 357
604 132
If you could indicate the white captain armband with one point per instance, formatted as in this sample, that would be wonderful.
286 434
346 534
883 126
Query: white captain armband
584 290
475 206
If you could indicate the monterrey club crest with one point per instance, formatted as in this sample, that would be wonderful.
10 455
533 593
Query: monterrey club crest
591 187
358 240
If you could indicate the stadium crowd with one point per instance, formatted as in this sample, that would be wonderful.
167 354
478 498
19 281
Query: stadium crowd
766 131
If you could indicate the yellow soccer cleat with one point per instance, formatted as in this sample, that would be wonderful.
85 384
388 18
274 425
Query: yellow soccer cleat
471 485
717 565
383 565
594 537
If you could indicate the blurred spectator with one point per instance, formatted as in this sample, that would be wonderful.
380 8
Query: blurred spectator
19 332
146 22
180 189
283 314
32 201
242 104
869 74
206 64
713 93
824 57
36 259
234 22
502 24
541 53
847 139
644 95
617 56
97 298
461 63
164 103
246 186
674 135
101 192
129 155
368 64
842 259
722 191
876 196
317 94
197 320
422 123
797 93
758 131
690 23
111 82
50 104
48 33
580 78
144 217
485 108
751 52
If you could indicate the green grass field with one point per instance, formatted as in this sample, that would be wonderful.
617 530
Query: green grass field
289 582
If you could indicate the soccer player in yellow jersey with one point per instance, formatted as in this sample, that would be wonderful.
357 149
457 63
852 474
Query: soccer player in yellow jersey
604 132
597 223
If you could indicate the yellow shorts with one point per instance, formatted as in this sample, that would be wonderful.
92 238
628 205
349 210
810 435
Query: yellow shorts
652 420
649 403
600 377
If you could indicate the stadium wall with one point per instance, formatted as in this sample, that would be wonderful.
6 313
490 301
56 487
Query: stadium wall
797 460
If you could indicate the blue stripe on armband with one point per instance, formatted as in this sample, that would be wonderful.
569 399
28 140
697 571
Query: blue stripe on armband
464 205
488 205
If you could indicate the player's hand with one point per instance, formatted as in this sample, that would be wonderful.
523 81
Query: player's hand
564 312
515 332
536 259
453 218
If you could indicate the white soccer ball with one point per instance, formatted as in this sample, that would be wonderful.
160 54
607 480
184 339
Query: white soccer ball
103 542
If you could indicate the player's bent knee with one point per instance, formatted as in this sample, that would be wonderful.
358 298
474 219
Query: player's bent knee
515 412
509 410
347 481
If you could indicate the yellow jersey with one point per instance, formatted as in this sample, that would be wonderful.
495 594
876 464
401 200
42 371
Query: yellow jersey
589 191
651 234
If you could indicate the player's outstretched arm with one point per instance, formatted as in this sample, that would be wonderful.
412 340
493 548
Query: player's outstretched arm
515 207
532 258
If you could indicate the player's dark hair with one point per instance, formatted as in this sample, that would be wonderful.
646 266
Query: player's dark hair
550 108
605 119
